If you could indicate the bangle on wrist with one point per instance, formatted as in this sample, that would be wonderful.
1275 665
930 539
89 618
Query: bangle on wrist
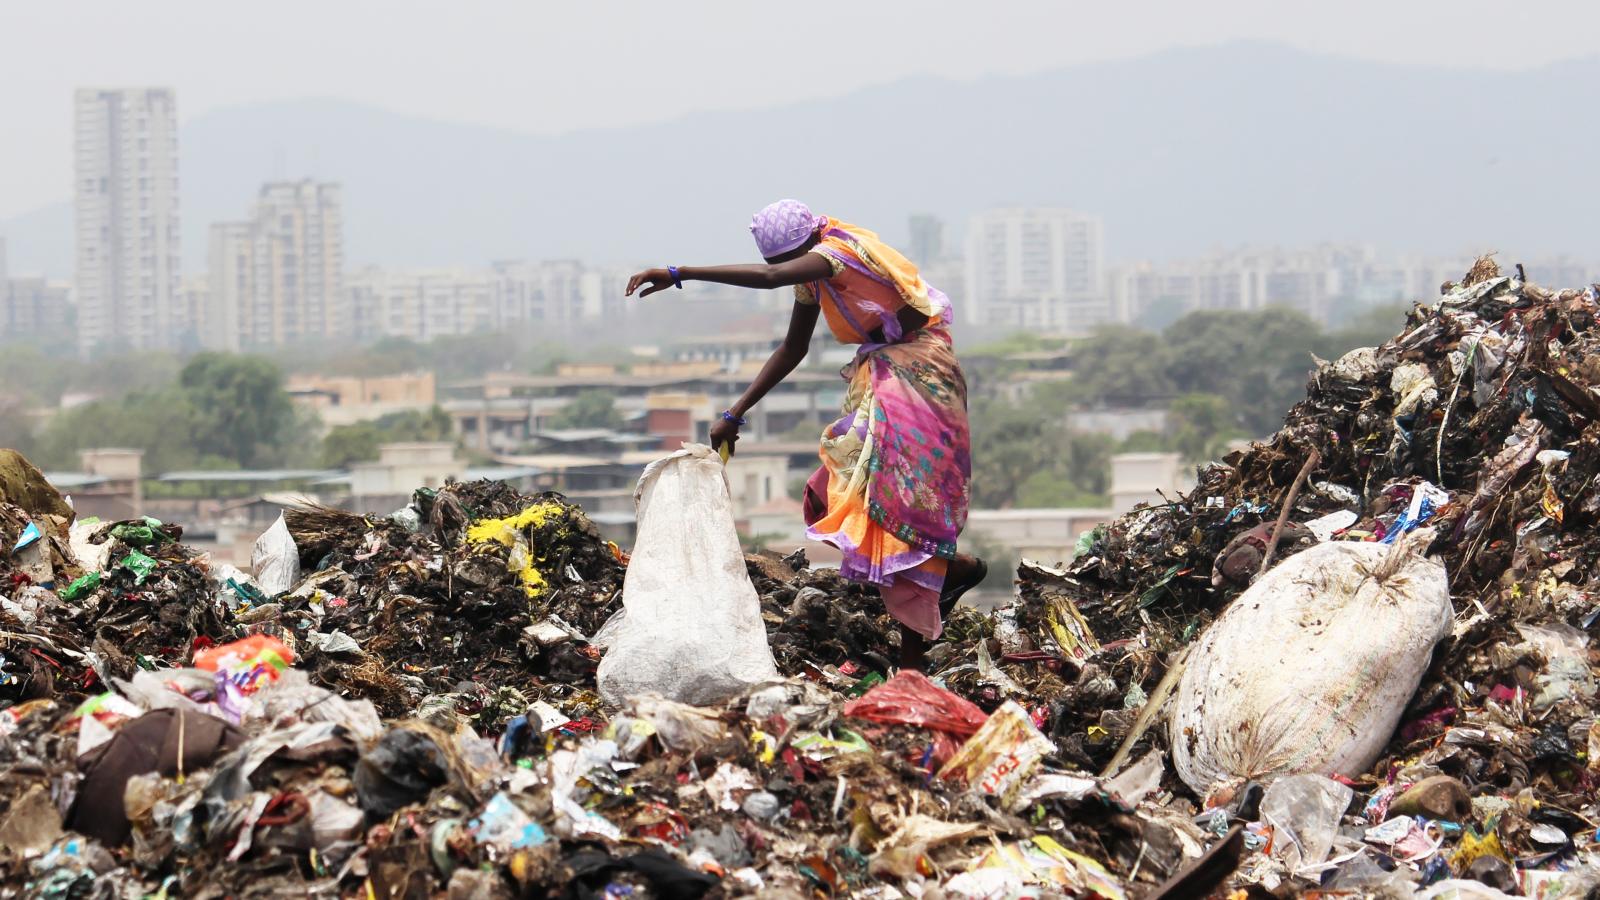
728 416
677 281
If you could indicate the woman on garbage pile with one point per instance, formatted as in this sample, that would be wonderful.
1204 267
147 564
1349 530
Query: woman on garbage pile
891 493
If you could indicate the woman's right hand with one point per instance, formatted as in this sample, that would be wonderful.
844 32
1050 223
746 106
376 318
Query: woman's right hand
724 432
658 279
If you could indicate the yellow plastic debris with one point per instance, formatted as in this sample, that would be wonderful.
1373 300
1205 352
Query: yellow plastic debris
504 531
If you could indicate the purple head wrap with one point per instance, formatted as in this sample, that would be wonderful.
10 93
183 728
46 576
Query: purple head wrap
783 226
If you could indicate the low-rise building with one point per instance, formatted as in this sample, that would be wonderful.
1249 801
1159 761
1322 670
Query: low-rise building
344 400
401 468
1147 478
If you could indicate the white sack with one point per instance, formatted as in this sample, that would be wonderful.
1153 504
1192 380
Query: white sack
275 559
1310 669
690 626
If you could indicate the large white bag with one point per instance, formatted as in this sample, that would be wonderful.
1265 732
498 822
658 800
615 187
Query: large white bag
1310 669
690 625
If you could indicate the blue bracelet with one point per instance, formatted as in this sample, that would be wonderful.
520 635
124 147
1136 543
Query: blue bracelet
728 416
677 282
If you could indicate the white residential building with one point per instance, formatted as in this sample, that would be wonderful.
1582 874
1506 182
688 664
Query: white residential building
420 305
558 291
33 306
125 192
1036 269
1316 281
279 277
927 239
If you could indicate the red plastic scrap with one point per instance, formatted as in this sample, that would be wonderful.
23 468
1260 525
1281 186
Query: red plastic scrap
909 698
791 760
284 809
671 827
41 654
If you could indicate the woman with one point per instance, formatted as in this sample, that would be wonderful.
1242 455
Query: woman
892 490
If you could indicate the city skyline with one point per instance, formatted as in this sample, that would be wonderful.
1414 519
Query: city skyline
279 276
1329 148
253 56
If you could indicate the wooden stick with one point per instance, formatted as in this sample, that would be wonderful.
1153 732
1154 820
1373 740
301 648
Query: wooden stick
1147 715
1288 503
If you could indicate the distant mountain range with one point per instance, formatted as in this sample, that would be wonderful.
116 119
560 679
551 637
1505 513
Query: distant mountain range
1179 152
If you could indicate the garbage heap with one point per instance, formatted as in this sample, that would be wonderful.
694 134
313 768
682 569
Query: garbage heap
1481 422
404 705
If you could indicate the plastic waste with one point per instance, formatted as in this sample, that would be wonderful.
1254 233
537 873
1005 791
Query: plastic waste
680 726
904 850
727 779
1041 861
690 628
1426 500
332 819
909 698
91 557
332 642
402 768
1304 812
505 826
28 602
275 559
1566 674
140 565
247 664
234 587
293 696
1325 527
81 587
1139 780
761 806
1001 755
1310 669
565 769
1461 889
140 533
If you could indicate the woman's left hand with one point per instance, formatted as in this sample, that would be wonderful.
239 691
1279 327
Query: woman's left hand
724 432
658 279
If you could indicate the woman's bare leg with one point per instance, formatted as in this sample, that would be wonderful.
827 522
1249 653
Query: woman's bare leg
913 649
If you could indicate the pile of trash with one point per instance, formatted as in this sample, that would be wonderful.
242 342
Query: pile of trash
1475 436
1355 660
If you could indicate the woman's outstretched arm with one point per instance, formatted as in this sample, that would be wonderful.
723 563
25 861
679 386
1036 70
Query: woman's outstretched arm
759 276
790 353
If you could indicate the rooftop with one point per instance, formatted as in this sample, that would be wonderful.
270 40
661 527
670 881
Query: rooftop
67 480
248 475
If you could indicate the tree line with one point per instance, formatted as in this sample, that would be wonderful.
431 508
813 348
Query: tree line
1221 376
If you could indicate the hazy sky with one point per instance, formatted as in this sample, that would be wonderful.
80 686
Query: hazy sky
551 67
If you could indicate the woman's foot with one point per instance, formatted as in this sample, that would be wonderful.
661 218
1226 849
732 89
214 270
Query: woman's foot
964 574
913 650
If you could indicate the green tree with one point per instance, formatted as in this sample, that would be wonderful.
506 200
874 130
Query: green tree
1021 457
346 444
1120 366
1370 327
1199 426
589 409
1256 361
241 410
16 426
161 423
